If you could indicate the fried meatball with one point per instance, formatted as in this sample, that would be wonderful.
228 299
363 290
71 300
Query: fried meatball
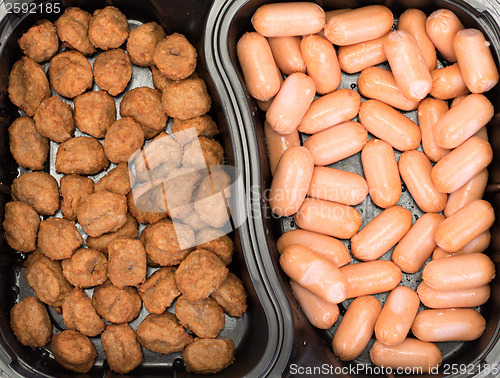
145 217
116 305
186 130
122 350
211 197
203 317
142 42
129 230
28 147
108 28
163 241
194 221
86 268
46 279
72 29
70 73
163 334
116 180
39 190
81 155
123 139
159 290
127 262
112 71
30 322
175 57
28 85
73 351
20 224
203 152
58 238
54 120
79 314
95 112
208 356
143 104
102 212
186 99
200 274
160 80
40 42
231 296
178 188
216 241
74 190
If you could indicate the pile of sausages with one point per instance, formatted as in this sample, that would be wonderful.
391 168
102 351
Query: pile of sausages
297 41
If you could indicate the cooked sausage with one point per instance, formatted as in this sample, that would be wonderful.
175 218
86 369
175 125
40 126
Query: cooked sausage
408 65
417 245
320 313
329 218
415 170
471 191
371 277
381 233
474 58
330 110
433 298
429 112
338 186
286 52
359 25
357 57
336 143
381 173
389 125
314 273
397 315
463 324
356 328
477 245
441 27
291 181
448 83
457 100
458 167
277 144
326 246
291 103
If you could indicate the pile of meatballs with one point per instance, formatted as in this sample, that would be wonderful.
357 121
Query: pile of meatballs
82 232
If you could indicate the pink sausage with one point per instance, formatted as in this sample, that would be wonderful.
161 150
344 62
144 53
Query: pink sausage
429 112
442 26
448 83
277 144
477 245
471 191
357 57
433 298
286 52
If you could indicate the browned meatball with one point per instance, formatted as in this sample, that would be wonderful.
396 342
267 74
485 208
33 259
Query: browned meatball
160 80
70 73
142 42
204 317
112 71
231 296
208 356
73 351
39 190
30 322
58 238
203 152
28 147
46 279
178 188
74 190
40 42
21 224
116 180
129 230
116 305
200 274
194 221
186 99
211 199
102 212
81 155
86 268
108 28
159 290
122 350
163 242
142 216
175 57
95 112
79 314
162 334
28 85
214 240
54 120
127 262
72 29
123 139
186 130
143 104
